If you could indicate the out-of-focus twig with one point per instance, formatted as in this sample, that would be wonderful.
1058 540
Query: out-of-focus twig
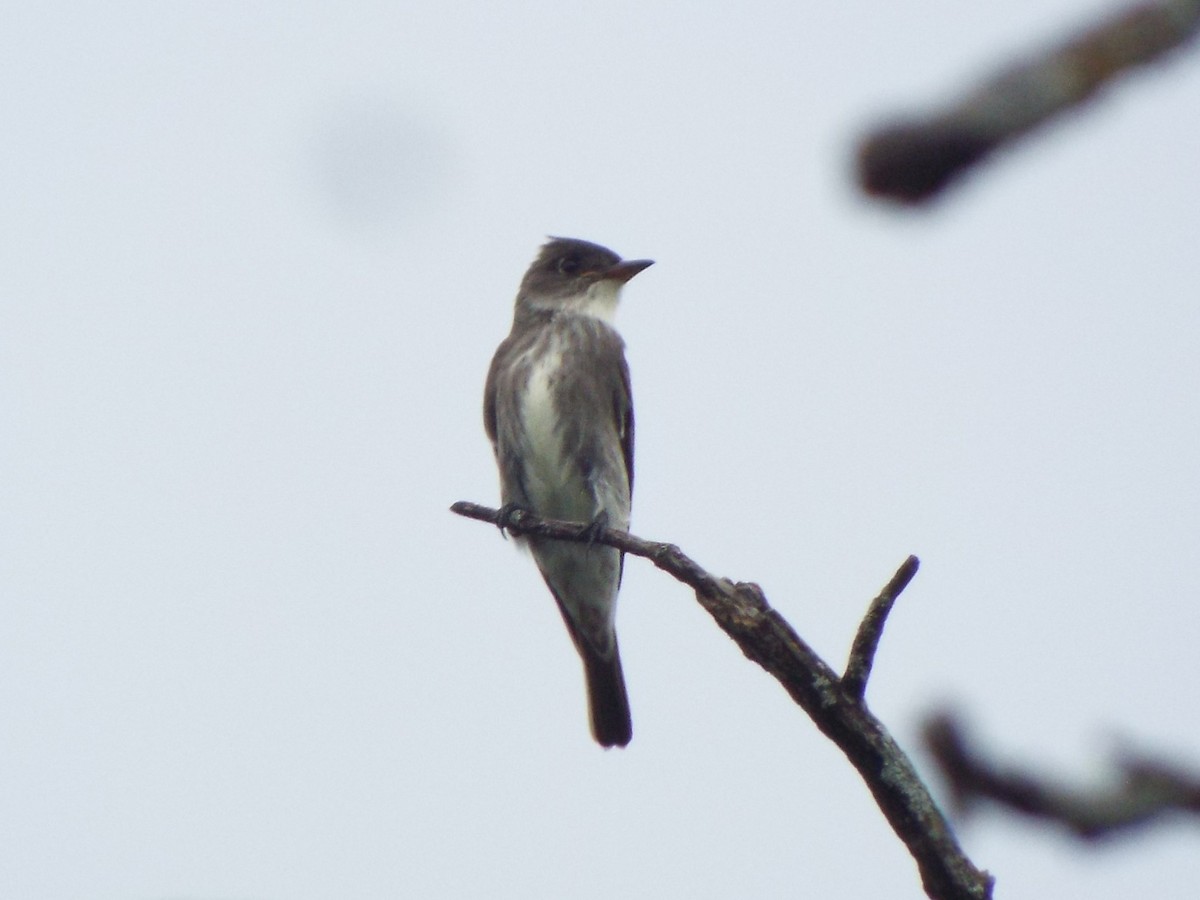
1144 791
911 161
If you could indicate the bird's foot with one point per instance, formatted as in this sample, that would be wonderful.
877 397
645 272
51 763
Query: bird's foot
508 515
595 529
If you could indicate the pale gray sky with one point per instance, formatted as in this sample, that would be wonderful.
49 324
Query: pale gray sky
255 261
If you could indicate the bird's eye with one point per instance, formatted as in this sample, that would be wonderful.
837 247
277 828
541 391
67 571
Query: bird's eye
569 265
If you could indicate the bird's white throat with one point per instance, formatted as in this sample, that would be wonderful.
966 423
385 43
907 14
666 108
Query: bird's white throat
599 301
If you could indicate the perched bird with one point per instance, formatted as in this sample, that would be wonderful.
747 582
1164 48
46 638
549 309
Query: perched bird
558 411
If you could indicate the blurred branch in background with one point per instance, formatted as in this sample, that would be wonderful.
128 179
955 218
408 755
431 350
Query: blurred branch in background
1144 791
911 161
834 703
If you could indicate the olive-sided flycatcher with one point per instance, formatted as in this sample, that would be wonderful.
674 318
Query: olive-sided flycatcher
558 411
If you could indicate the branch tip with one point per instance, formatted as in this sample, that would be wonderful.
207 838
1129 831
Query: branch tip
870 630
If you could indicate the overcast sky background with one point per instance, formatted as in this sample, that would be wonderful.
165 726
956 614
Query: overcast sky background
255 260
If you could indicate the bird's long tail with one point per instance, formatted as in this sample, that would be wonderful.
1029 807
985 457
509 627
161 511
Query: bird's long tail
608 704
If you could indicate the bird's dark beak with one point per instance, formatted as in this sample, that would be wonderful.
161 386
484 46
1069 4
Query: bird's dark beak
625 269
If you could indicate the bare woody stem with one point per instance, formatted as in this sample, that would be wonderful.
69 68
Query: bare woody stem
834 703
870 630
1142 791
912 160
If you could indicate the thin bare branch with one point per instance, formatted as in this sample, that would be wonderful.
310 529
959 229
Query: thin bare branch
870 630
1143 791
742 612
912 161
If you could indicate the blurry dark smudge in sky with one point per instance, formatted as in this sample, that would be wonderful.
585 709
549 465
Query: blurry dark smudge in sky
376 164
